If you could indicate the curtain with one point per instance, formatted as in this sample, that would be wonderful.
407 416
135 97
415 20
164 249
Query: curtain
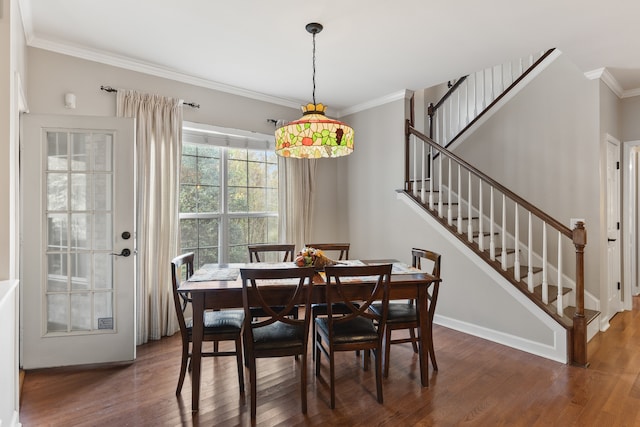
296 183
158 151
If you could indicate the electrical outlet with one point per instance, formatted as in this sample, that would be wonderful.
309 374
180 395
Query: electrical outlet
574 221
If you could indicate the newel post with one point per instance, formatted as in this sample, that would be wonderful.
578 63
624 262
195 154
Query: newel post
579 353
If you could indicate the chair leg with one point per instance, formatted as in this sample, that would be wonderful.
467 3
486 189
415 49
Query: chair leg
303 383
318 343
313 334
183 366
239 362
378 355
412 334
432 353
332 382
252 379
387 350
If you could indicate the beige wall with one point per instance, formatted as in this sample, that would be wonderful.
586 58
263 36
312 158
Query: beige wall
630 119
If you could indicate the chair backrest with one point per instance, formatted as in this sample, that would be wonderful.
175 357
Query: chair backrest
341 281
262 250
417 255
341 248
291 285
181 270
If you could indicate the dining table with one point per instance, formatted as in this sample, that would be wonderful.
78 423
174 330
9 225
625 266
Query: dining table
219 286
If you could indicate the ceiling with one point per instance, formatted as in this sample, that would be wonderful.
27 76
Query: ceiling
368 49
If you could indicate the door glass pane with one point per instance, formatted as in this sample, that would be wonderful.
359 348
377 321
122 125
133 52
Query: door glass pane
57 273
80 151
102 271
81 312
80 271
57 151
57 229
57 312
103 310
102 236
102 146
57 191
102 192
80 192
80 231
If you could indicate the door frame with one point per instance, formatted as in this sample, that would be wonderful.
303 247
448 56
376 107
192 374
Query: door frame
630 209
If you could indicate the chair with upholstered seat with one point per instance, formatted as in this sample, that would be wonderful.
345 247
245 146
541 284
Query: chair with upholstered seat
277 334
360 329
405 315
224 325
336 252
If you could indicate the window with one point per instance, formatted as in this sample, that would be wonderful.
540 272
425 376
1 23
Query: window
228 194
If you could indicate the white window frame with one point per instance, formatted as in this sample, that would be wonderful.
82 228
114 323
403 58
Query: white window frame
226 138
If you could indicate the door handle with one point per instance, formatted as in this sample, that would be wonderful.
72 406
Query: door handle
125 253
611 240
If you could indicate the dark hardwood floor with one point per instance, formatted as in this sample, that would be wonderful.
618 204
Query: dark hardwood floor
479 384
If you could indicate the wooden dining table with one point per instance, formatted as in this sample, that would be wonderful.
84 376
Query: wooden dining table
219 286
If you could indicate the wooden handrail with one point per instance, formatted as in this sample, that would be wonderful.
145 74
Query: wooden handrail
452 89
504 190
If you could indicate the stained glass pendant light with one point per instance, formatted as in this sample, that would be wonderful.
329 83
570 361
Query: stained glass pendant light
314 135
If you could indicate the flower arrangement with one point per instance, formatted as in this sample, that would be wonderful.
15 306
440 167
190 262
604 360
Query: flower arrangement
311 257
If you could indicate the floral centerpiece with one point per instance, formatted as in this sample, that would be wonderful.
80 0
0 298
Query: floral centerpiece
311 257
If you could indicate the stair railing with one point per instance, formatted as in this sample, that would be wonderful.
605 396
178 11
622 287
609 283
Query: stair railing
457 192
471 96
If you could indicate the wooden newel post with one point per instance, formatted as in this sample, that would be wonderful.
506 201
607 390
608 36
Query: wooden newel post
579 353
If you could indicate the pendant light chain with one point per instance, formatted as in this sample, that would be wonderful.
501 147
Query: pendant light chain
314 69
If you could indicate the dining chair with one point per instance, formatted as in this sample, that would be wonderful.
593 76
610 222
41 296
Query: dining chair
277 334
360 329
339 251
404 315
271 252
223 325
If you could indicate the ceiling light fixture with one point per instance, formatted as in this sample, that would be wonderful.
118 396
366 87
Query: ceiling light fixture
314 135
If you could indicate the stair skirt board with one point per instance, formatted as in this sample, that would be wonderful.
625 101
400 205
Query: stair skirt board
556 351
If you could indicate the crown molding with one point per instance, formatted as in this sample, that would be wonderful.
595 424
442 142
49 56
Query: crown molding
152 69
606 77
403 94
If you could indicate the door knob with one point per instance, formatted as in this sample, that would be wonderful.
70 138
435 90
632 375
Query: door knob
126 235
125 253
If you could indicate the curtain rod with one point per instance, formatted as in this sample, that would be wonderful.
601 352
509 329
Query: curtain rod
110 89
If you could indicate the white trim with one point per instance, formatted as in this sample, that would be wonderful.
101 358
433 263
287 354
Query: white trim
154 70
629 223
403 94
558 351
546 351
613 84
631 93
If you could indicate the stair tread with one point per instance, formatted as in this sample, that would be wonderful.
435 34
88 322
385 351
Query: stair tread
524 270
499 251
553 292
590 315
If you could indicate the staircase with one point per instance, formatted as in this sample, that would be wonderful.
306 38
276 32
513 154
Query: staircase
528 247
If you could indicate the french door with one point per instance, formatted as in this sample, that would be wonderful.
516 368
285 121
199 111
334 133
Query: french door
77 259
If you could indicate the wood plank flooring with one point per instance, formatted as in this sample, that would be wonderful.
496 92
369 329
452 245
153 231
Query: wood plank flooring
479 384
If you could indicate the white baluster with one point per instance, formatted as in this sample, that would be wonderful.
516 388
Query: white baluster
492 241
430 177
545 284
466 102
443 142
559 301
449 198
493 92
415 166
423 195
480 218
516 238
459 121
440 184
484 90
459 200
503 253
450 128
500 87
530 256
521 70
469 212
475 95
